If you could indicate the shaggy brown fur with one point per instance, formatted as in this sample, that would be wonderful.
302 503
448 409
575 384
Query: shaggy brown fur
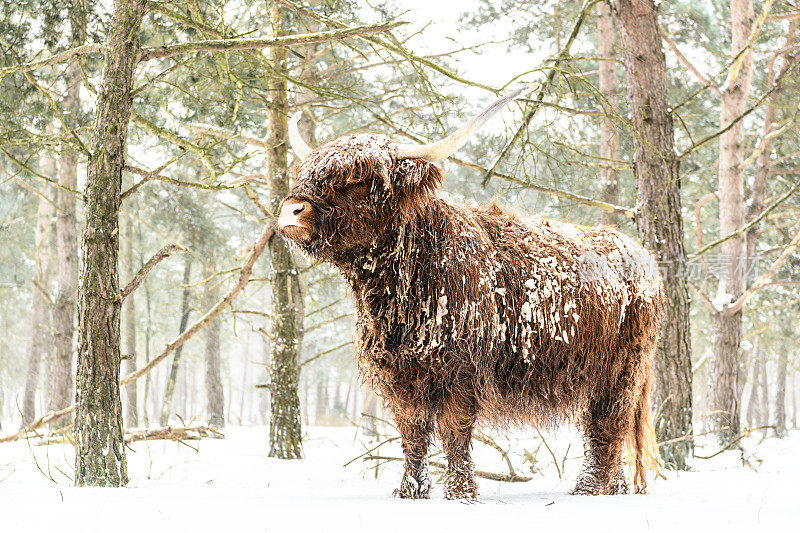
472 315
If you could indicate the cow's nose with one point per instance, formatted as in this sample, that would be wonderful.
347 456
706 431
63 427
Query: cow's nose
290 213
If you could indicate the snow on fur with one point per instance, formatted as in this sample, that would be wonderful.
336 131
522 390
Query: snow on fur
474 314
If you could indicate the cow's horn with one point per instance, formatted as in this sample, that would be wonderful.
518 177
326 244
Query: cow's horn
449 145
300 147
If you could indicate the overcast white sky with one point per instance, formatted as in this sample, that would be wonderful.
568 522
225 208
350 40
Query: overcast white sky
493 64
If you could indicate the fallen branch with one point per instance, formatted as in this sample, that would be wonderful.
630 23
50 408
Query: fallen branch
480 437
730 444
171 433
36 424
140 276
506 478
552 454
244 277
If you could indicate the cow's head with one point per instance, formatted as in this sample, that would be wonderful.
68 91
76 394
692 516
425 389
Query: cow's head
346 191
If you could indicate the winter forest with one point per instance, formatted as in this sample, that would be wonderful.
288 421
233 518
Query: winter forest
224 316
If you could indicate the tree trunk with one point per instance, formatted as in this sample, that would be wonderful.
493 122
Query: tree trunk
609 138
370 423
243 396
321 410
61 393
129 311
99 446
726 364
763 404
147 334
66 239
755 382
794 400
285 434
659 219
169 390
267 349
215 399
40 306
780 394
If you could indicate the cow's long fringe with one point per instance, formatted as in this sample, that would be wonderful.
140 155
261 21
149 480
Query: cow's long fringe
470 314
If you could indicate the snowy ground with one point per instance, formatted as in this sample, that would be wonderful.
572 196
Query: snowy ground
230 485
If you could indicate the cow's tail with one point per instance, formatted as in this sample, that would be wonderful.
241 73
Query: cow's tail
641 442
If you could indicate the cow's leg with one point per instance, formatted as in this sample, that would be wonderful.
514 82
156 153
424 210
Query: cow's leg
415 431
605 427
456 420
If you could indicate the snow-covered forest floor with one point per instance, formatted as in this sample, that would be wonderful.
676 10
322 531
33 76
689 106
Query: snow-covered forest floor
230 485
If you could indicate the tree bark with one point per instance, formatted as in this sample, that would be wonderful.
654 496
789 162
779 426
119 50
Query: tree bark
659 219
169 390
129 311
609 138
61 386
215 398
99 445
727 336
40 306
285 434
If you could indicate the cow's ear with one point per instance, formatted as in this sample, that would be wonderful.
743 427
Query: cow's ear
415 182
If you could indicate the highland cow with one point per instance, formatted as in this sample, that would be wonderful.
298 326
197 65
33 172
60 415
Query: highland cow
473 315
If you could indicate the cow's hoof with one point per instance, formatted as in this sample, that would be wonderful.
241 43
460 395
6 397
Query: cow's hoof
471 494
618 485
460 486
588 485
411 489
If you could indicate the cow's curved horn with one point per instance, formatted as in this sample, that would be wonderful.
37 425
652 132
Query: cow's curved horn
449 145
300 147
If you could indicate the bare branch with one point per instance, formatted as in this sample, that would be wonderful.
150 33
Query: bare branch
562 55
154 175
703 79
214 312
148 175
611 208
211 314
60 57
140 276
221 45
764 279
703 297
392 47
560 193
752 223
325 352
